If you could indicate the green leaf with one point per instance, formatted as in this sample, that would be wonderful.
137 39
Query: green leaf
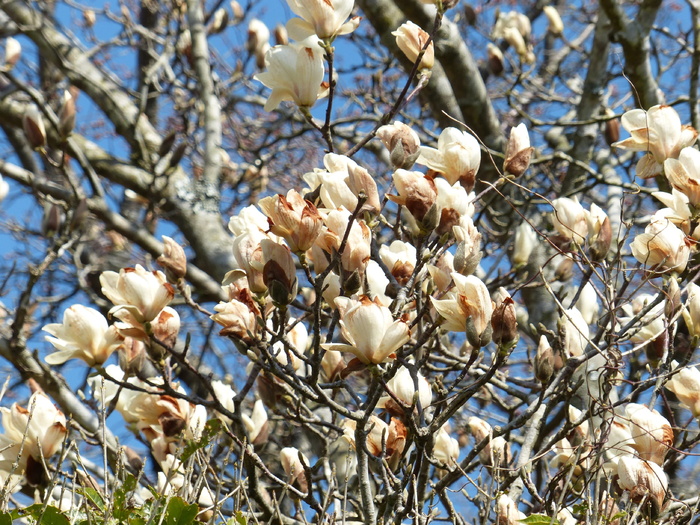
238 519
5 518
211 429
95 498
46 516
180 513
123 510
539 519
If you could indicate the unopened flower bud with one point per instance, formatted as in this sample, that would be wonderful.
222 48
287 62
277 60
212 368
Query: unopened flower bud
173 260
518 151
281 36
279 272
219 21
402 142
556 26
89 18
524 243
66 116
418 193
503 322
544 361
411 39
13 50
495 58
612 128
237 10
34 130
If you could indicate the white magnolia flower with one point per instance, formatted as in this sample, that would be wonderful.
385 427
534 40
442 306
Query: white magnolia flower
411 39
141 293
38 431
684 174
685 383
400 258
469 298
446 449
457 157
372 333
662 246
657 132
84 334
295 73
569 219
643 479
341 183
651 432
576 333
406 390
324 18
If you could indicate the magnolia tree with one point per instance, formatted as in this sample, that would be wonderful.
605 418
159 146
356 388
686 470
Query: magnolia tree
401 264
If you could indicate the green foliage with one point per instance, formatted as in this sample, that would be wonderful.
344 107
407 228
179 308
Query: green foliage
38 513
180 513
540 519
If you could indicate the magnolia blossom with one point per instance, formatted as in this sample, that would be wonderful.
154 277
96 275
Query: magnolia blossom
684 173
599 232
342 182
141 293
402 142
446 448
294 219
238 318
523 244
278 271
662 246
293 463
512 19
691 312
507 512
256 424
417 192
453 203
657 132
588 304
411 39
685 383
518 151
173 259
569 219
4 188
644 479
84 334
390 438
372 333
400 258
651 432
294 72
457 157
358 246
575 331
224 394
650 326
441 271
258 41
104 391
324 18
556 26
677 211
38 431
469 299
497 450
406 390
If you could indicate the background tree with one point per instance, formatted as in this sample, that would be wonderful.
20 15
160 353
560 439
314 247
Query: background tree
423 278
